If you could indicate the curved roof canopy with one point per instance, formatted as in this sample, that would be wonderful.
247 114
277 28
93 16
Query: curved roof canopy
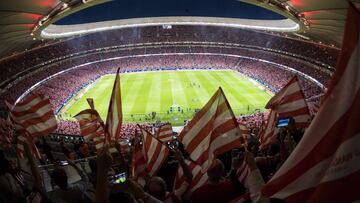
25 24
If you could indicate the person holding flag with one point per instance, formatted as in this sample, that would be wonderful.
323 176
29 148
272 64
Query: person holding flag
325 165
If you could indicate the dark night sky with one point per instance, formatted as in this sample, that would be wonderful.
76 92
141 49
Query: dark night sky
123 9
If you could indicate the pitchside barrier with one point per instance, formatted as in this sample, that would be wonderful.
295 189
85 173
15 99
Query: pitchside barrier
178 117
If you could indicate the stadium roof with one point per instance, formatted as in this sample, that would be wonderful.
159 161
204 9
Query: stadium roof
24 24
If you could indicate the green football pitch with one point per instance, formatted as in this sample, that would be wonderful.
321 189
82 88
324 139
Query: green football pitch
173 95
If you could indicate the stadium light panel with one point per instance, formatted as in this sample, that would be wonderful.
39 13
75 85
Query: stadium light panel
60 31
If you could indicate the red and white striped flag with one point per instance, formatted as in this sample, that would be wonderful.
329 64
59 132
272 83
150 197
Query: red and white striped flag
155 152
92 127
165 133
114 117
34 116
245 132
28 140
138 163
243 172
214 130
267 134
325 166
199 177
290 102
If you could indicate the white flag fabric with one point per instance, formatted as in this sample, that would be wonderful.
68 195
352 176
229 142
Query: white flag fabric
325 166
155 153
33 116
213 130
114 117
165 133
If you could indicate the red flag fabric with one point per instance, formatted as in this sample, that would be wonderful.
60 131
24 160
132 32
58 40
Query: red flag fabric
28 140
114 117
155 152
245 132
267 135
213 131
325 166
91 127
165 133
290 102
33 116
138 163
199 177
243 172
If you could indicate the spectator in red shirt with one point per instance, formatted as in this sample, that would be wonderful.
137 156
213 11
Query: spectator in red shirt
217 189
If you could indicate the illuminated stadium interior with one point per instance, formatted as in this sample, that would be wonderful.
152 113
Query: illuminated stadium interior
180 47
172 57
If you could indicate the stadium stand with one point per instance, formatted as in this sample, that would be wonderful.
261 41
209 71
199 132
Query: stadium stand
61 71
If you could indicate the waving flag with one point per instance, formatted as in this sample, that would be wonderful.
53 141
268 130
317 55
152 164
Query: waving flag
114 117
245 132
91 125
165 133
214 130
33 116
267 135
290 102
155 152
138 163
28 140
325 166
199 177
243 172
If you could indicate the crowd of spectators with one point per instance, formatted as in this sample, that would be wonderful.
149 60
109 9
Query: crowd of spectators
203 53
76 175
133 62
272 43
65 86
133 58
69 127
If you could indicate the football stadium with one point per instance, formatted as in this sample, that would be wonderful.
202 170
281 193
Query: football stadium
218 101
173 95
